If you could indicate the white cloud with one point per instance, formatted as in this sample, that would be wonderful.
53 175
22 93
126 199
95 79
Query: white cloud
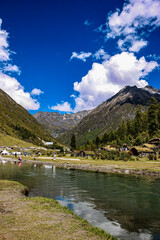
4 52
154 57
36 91
8 83
100 54
132 43
106 79
82 55
136 18
63 107
11 68
15 90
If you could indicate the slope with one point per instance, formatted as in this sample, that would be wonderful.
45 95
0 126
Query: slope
109 114
19 123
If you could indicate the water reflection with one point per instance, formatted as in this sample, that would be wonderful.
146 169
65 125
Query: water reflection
126 207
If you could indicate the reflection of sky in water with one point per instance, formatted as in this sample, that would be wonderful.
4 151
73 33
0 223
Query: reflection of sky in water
123 206
97 218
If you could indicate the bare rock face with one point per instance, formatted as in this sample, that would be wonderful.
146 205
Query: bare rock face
57 123
109 114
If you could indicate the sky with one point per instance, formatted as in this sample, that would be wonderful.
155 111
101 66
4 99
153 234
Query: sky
72 55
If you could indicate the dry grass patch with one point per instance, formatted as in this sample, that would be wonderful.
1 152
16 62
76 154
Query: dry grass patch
40 218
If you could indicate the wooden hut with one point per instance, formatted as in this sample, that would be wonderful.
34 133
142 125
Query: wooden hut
84 153
142 151
155 141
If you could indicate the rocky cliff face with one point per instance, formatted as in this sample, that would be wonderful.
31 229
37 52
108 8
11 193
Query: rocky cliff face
110 113
57 123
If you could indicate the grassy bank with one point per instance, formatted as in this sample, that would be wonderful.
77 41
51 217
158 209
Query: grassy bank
40 218
139 166
8 141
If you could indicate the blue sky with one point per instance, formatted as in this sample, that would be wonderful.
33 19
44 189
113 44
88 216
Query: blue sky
72 55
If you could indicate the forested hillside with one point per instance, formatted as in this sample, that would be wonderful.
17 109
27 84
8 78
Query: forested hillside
144 126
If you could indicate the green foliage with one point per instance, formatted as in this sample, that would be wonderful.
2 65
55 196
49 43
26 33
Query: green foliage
97 141
61 150
153 117
138 122
19 123
115 155
73 142
132 132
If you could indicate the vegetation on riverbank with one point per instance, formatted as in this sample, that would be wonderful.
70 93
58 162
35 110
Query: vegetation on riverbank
40 218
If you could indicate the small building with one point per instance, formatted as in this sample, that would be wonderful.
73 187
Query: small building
16 153
142 151
155 141
5 152
84 153
49 143
110 148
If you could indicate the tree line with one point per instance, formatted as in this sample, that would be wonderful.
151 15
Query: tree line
145 125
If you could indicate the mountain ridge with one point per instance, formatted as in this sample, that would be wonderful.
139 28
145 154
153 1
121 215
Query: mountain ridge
109 114
57 123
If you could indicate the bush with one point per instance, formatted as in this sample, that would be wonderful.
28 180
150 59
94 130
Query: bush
72 154
124 156
150 157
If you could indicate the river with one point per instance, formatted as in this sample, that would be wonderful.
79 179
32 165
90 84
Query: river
127 207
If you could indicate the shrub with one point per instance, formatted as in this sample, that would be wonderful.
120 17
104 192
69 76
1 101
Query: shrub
150 157
72 154
124 156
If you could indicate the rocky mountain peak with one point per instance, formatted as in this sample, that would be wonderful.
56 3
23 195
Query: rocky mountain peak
109 114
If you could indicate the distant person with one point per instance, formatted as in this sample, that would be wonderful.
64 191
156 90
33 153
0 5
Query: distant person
20 159
54 156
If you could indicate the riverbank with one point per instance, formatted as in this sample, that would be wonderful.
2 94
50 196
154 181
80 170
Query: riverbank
139 168
35 218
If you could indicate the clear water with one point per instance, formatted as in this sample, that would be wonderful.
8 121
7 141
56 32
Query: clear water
126 207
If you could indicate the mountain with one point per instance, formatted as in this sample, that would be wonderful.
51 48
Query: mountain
57 123
17 122
109 114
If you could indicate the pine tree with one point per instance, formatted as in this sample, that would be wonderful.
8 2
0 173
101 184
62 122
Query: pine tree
122 131
153 117
138 122
73 142
97 141
105 138
158 115
145 122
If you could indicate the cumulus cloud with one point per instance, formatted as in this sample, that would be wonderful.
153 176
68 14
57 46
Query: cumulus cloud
16 91
107 78
82 55
8 83
137 18
63 107
36 91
